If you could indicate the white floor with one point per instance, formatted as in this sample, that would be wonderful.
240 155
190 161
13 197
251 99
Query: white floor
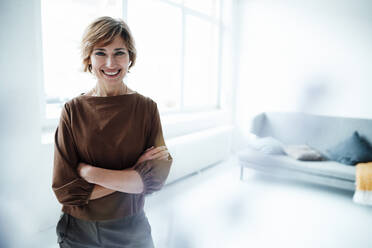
215 209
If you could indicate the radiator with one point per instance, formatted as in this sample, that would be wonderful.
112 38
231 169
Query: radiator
198 150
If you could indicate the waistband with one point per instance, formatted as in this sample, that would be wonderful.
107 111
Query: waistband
140 213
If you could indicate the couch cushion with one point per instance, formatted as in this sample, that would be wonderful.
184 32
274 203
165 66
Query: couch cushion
317 131
351 151
267 145
303 152
324 168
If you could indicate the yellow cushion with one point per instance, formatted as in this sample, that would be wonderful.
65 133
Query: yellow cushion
364 176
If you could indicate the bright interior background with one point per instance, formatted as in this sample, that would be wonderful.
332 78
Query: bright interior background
179 66
289 55
306 56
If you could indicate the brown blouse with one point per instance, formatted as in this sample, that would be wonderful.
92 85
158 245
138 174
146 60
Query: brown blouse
109 132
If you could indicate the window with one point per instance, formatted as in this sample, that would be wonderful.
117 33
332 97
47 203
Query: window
178 52
178 44
63 24
157 30
201 63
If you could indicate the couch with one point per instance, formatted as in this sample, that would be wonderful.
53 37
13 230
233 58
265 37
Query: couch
316 131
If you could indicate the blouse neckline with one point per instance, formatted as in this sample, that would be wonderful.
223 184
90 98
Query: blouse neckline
107 97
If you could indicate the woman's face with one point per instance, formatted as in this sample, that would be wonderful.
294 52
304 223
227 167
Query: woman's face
110 63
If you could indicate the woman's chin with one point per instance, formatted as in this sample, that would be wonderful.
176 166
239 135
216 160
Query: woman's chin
112 81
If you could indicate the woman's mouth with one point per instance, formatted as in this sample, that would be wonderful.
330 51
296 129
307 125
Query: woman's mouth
111 74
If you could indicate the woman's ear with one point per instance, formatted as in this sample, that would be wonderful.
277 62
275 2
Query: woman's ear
89 65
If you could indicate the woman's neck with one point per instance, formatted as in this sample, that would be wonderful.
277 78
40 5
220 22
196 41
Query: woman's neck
100 90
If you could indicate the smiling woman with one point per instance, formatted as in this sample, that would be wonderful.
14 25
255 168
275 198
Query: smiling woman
109 59
110 65
109 149
108 51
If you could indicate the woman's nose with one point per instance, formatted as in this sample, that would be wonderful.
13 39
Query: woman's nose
110 61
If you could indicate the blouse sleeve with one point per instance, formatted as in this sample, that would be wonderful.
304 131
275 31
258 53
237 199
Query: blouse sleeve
154 172
69 188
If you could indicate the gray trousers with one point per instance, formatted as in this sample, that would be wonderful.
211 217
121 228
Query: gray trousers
129 232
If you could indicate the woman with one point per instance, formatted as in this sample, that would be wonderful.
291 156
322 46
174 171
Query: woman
109 149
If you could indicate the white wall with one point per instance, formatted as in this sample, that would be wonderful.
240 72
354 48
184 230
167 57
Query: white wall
309 56
21 207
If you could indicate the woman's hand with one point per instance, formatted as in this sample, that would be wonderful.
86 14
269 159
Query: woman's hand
83 170
160 153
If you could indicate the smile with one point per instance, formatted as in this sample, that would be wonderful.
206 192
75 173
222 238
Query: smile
113 74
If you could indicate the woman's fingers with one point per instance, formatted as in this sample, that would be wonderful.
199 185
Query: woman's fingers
165 157
149 148
160 154
157 150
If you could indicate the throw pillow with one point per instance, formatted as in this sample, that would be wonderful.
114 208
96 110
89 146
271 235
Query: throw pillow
303 152
351 151
267 145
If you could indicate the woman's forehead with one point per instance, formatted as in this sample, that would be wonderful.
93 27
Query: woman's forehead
118 42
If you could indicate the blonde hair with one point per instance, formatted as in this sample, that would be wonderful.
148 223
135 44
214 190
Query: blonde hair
104 30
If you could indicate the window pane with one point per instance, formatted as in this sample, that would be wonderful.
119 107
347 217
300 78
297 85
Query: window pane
176 1
201 63
63 24
157 30
208 7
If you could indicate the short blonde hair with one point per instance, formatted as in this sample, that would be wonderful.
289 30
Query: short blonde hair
104 30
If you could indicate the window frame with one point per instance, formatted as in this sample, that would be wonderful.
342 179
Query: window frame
177 122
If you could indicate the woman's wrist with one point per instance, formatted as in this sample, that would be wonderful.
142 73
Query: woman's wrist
86 172
100 191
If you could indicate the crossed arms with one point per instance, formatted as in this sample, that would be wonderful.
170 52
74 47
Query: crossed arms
75 183
128 180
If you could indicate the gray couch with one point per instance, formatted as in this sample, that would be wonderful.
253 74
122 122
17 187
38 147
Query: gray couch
319 132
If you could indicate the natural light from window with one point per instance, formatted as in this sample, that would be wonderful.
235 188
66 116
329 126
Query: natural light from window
178 44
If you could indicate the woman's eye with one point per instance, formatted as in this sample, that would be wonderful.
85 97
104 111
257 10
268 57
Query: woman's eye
120 53
100 53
